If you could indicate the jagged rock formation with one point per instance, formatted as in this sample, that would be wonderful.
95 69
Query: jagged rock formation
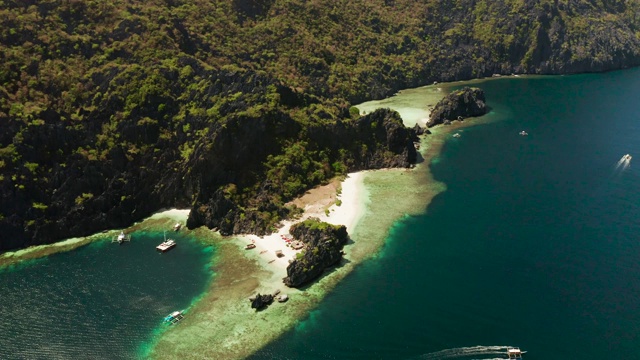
459 104
420 130
323 248
261 301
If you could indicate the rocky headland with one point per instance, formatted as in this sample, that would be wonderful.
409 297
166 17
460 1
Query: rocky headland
459 104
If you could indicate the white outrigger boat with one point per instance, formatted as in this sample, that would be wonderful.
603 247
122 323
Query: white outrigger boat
121 238
174 317
515 353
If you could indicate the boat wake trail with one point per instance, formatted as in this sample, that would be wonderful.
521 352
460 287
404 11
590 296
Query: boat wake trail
471 352
623 163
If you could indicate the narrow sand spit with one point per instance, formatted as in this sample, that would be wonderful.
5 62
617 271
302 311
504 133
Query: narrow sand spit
222 325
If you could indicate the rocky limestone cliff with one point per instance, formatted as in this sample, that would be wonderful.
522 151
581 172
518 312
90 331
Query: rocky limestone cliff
323 248
374 141
462 103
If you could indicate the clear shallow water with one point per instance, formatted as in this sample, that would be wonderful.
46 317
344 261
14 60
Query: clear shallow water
100 301
534 244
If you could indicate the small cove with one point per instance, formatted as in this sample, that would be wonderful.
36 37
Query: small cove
99 301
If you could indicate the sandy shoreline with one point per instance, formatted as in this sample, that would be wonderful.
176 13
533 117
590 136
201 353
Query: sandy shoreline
352 205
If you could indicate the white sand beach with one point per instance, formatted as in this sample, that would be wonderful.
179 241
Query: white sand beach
179 215
315 204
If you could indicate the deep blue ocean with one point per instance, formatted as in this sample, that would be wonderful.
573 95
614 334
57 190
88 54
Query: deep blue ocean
535 243
100 301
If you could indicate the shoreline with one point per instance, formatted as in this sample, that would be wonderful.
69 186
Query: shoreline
223 325
12 258
315 203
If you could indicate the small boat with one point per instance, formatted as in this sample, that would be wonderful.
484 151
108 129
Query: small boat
523 133
456 135
121 238
250 246
627 157
515 353
177 227
174 317
166 245
282 298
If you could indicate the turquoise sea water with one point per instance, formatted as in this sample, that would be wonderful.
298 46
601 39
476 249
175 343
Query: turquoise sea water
535 243
100 301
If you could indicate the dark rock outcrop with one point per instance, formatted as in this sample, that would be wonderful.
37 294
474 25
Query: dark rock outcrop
419 130
462 103
376 140
261 301
323 248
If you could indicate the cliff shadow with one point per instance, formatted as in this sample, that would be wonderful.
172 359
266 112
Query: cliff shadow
419 158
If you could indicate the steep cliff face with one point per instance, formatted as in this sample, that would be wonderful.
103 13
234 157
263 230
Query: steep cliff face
461 103
323 248
234 158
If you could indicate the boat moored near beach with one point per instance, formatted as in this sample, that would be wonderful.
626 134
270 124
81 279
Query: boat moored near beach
122 237
174 317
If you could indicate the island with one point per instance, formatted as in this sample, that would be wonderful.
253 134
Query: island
234 111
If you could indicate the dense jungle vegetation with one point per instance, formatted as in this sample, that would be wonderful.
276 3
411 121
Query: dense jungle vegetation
111 110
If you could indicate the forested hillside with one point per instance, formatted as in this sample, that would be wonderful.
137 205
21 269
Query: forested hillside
111 110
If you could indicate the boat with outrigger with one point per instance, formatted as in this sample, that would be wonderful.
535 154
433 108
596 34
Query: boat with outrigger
174 317
514 353
122 237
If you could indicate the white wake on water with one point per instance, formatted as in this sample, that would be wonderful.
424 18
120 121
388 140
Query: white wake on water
624 163
466 353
